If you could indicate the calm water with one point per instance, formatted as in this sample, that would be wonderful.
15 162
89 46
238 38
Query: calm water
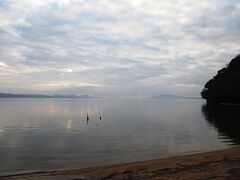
37 134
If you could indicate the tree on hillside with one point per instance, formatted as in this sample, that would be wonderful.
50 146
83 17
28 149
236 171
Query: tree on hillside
224 87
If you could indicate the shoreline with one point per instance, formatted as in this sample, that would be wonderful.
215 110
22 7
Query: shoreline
214 164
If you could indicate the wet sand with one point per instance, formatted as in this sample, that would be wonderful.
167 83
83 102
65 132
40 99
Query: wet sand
222 164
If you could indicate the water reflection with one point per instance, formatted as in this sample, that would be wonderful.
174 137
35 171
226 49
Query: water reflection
225 119
69 124
54 133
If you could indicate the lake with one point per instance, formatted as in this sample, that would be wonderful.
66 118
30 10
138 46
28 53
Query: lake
39 134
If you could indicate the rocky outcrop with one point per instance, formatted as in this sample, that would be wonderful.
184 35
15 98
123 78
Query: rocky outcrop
225 86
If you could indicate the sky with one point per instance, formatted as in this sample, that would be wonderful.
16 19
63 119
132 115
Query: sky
115 47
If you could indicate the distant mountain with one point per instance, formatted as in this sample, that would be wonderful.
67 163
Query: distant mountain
9 95
171 96
225 86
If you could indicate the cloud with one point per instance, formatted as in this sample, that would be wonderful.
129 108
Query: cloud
119 47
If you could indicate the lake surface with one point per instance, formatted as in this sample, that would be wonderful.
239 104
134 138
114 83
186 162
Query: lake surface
38 134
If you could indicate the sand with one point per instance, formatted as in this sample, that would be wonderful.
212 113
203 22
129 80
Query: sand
222 164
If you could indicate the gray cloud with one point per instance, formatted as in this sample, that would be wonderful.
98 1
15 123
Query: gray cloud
128 47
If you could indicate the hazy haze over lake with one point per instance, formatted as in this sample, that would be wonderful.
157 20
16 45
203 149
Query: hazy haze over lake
127 48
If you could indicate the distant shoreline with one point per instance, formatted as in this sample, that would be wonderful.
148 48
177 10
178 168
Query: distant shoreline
163 96
9 95
215 164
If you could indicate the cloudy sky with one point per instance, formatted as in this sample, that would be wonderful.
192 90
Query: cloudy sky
115 47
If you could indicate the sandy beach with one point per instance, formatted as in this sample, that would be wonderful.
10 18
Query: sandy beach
222 164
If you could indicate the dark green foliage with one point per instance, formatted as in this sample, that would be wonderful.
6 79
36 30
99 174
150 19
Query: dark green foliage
225 86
